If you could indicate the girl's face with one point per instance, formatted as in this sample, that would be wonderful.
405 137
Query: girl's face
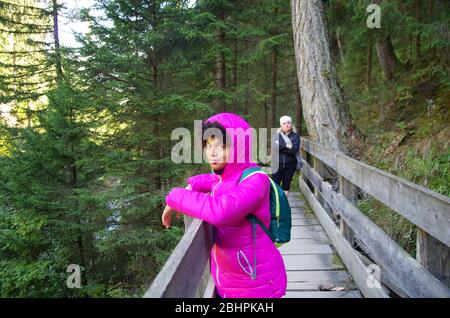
217 153
286 126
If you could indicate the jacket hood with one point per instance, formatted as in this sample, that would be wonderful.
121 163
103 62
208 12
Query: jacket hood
240 134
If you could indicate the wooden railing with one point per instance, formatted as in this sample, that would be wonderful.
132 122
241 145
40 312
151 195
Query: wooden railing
186 272
429 275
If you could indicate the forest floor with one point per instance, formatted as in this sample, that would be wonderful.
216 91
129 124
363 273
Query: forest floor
406 126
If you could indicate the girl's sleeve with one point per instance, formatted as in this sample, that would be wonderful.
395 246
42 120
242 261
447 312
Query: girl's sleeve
225 209
201 182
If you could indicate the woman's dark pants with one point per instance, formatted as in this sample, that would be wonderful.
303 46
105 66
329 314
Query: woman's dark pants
284 175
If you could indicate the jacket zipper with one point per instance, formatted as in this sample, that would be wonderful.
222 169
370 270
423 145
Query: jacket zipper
217 266
215 246
215 187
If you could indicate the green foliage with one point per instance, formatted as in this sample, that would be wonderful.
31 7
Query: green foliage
84 171
413 105
393 224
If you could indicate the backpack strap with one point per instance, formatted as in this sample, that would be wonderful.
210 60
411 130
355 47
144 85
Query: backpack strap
254 220
251 171
248 172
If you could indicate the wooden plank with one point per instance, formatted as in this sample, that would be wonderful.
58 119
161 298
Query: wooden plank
434 256
204 283
348 190
320 152
181 275
314 286
303 216
427 209
323 294
210 291
319 168
386 252
334 276
289 248
308 229
298 211
386 279
304 232
342 246
305 222
310 262
296 204
310 241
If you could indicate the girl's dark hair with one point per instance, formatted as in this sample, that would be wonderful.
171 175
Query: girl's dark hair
214 129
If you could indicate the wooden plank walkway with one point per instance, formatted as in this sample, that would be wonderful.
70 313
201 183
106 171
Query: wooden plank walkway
310 259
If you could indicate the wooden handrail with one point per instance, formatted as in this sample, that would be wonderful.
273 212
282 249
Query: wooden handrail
427 209
186 273
430 211
183 272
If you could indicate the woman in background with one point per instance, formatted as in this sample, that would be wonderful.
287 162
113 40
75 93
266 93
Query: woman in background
286 144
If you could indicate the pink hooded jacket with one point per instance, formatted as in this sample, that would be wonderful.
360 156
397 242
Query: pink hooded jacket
224 202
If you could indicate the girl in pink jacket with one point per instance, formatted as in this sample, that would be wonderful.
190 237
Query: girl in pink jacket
242 266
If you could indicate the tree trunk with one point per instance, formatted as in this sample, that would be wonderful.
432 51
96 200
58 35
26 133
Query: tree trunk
155 75
273 92
369 66
59 72
321 95
386 56
298 108
340 48
266 84
220 68
235 61
410 43
418 47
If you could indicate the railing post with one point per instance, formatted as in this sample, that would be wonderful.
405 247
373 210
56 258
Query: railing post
318 166
434 256
203 285
304 156
320 169
348 190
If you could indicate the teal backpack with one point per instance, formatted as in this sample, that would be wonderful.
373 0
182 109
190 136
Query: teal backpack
280 212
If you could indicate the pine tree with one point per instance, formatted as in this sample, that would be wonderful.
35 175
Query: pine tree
139 76
49 205
26 71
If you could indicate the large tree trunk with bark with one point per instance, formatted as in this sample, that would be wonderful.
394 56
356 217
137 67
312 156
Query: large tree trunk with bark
273 92
298 108
386 56
339 44
220 68
235 66
369 66
59 73
321 95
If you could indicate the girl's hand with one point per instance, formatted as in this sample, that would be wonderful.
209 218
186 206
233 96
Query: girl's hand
166 217
189 187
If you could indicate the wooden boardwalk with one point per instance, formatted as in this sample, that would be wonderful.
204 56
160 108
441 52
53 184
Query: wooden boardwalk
310 259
